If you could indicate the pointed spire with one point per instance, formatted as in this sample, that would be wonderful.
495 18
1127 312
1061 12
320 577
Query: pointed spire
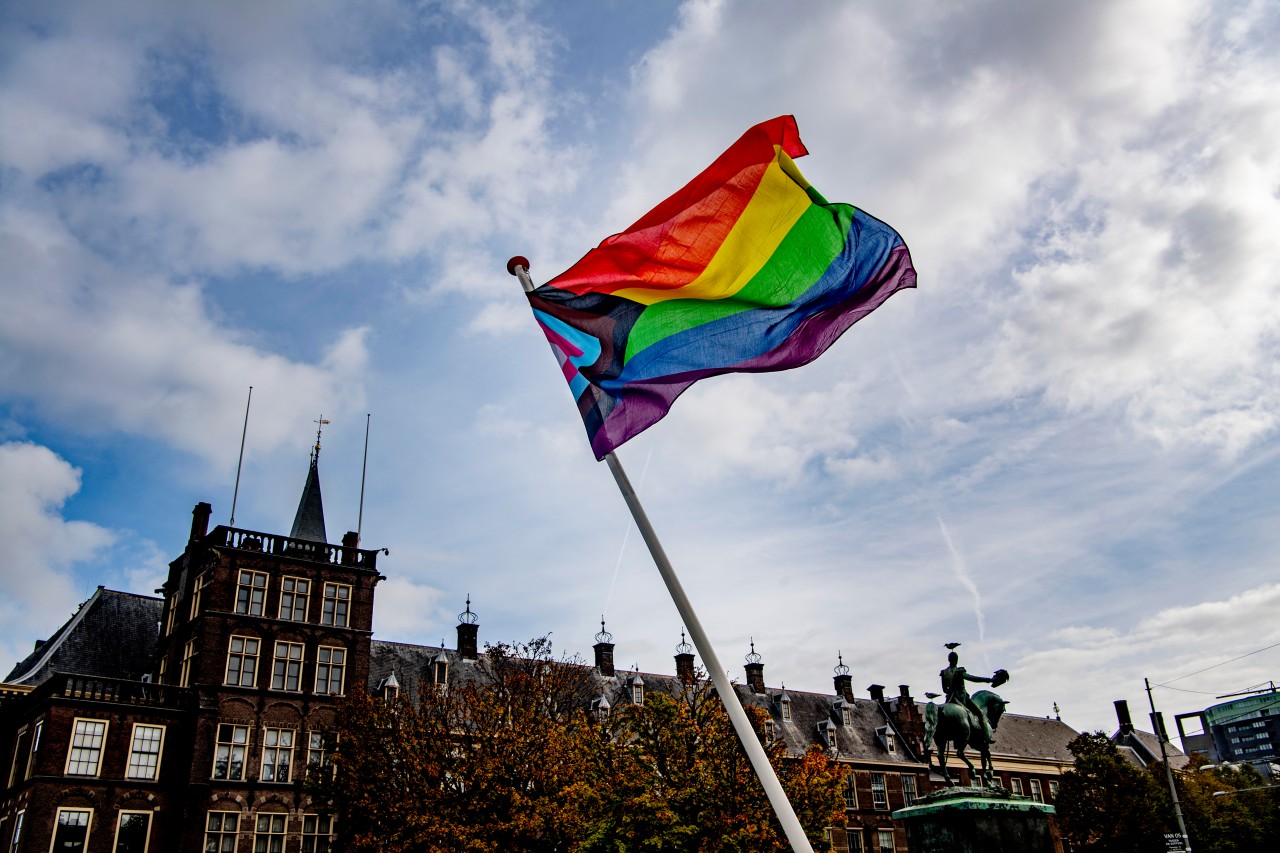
308 523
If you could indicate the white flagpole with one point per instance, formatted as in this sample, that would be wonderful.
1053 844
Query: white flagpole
519 267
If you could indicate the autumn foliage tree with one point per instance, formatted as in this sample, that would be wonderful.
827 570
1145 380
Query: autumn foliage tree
513 759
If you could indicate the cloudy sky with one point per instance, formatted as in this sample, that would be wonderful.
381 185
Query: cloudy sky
1062 449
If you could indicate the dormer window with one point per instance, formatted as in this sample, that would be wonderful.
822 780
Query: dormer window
846 715
827 731
440 671
886 737
842 712
784 704
768 730
600 709
390 689
637 690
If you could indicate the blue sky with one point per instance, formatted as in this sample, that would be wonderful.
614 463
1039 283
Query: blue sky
1061 450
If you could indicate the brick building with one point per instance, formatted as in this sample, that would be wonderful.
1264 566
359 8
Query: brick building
191 721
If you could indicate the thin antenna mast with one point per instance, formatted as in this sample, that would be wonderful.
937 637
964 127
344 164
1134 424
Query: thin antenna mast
236 494
363 470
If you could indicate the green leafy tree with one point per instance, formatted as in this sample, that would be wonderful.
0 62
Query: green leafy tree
1107 805
1242 822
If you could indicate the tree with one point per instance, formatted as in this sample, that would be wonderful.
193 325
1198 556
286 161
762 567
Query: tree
1107 805
514 759
1235 823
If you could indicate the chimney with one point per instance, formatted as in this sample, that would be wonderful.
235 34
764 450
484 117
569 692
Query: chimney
604 651
755 670
350 542
684 661
1122 714
467 631
877 693
904 693
200 520
843 680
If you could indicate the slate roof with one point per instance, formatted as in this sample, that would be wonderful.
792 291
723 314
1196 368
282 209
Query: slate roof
112 635
1033 737
1143 749
308 523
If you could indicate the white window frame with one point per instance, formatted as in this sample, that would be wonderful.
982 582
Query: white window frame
146 844
269 834
335 605
321 828
851 790
277 743
320 745
909 791
879 803
72 747
16 839
231 745
853 838
189 652
1037 791
637 694
17 756
1053 789
197 590
846 715
881 834
295 595
221 831
242 655
171 613
254 603
1015 785
288 667
786 710
133 750
325 668
57 821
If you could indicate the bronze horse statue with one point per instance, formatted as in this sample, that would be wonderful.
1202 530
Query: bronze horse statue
954 724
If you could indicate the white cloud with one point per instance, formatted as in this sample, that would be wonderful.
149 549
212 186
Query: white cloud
38 546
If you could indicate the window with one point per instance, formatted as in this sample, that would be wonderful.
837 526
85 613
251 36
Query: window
885 837
854 839
1053 789
908 790
1015 785
144 752
164 667
850 792
319 745
228 756
188 663
71 834
786 709
286 671
35 746
242 662
17 831
220 832
295 593
440 672
637 694
251 592
317 833
331 665
768 730
879 797
85 755
17 755
277 755
1036 793
170 613
846 716
197 593
337 599
268 834
133 831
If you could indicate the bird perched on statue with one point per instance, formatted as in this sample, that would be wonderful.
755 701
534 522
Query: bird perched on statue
951 645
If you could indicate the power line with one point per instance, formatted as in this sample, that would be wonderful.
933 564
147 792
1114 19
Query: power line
1216 665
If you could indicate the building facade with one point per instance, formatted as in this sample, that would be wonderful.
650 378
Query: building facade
1245 730
191 721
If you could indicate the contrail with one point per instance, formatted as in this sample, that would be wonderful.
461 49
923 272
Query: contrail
627 534
966 580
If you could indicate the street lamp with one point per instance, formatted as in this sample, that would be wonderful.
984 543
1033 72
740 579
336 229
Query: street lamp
1242 790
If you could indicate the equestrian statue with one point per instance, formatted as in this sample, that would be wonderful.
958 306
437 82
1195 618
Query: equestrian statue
964 721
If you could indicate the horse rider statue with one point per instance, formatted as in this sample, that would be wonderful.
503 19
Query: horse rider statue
953 687
964 721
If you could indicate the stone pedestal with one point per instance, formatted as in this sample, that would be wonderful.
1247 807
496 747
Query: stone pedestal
976 820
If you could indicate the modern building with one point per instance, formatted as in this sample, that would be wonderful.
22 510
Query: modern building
190 721
1245 730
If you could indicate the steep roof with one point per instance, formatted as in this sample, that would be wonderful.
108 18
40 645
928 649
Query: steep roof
1033 737
112 635
1143 749
308 523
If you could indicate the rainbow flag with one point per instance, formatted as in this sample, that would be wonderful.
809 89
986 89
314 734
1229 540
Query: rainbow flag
746 269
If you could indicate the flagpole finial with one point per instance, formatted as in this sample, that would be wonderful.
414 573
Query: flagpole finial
517 261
